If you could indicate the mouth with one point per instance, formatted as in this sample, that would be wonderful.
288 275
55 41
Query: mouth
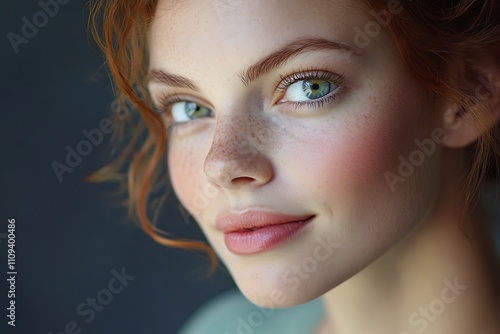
256 232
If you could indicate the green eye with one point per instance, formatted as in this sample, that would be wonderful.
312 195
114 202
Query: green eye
186 111
310 89
316 88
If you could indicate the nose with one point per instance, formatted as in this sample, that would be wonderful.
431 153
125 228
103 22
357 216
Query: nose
237 155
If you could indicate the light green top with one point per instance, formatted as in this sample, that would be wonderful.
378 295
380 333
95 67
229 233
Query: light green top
231 313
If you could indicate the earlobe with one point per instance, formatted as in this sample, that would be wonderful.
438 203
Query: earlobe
479 112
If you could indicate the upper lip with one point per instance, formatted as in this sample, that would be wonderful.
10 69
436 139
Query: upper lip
253 219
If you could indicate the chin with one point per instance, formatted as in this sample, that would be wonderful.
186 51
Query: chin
277 295
272 296
279 287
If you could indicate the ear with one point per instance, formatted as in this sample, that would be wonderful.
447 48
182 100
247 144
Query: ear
480 110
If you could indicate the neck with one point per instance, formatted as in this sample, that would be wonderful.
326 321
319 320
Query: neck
437 280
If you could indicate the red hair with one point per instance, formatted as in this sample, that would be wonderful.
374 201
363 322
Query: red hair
431 36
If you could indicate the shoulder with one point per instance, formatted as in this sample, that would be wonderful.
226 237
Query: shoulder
231 313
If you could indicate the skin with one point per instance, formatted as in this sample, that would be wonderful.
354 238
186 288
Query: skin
255 152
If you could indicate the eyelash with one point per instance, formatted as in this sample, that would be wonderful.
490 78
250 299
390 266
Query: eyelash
286 81
165 101
301 75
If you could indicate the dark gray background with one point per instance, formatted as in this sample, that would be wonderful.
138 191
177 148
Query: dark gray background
70 235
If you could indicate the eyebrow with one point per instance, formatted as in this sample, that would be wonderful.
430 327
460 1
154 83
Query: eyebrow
263 66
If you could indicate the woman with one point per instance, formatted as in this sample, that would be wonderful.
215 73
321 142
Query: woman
326 148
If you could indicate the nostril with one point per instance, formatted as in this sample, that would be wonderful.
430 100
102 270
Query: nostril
242 180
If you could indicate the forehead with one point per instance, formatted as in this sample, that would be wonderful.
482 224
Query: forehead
200 31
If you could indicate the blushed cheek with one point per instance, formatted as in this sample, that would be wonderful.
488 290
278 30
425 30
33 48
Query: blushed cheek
373 149
352 158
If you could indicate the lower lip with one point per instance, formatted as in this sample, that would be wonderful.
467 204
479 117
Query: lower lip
263 239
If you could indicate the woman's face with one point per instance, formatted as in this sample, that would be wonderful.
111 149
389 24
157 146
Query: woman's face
248 146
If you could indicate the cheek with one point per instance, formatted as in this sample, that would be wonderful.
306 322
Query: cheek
360 159
342 167
351 156
185 170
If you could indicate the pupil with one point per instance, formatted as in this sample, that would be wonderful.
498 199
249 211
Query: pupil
315 86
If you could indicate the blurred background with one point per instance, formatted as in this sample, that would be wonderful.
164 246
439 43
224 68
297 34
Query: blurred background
80 262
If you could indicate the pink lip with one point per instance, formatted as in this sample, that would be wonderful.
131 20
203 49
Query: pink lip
257 231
